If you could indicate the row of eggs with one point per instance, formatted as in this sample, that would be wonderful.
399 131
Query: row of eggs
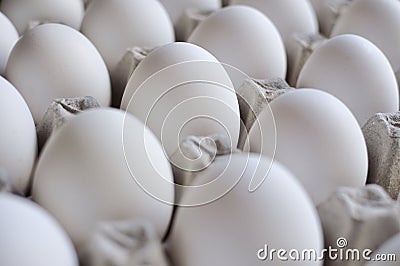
308 123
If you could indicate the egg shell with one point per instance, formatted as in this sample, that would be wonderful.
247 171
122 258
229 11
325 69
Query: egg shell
55 61
317 138
9 36
327 12
289 16
18 143
115 26
244 38
177 10
97 167
376 20
233 228
24 13
30 236
355 71
180 89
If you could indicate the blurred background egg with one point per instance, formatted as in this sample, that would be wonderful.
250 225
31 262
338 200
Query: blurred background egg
291 18
18 143
115 26
355 71
55 61
233 228
9 36
244 38
327 13
30 236
89 170
28 13
180 89
177 10
317 138
376 20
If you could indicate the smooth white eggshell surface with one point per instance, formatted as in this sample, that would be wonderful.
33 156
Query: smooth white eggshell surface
55 61
376 20
355 71
30 236
93 169
179 90
25 13
9 36
244 38
234 227
18 143
289 16
115 26
317 138
177 11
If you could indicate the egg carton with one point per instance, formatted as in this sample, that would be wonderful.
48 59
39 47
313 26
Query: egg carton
123 243
358 218
382 135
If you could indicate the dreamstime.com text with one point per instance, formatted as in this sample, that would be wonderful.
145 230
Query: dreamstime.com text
339 253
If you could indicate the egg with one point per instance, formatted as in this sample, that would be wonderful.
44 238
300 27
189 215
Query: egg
376 20
327 12
354 70
179 90
18 143
9 36
103 165
236 227
115 26
55 61
317 138
291 18
244 38
30 236
177 10
387 254
26 14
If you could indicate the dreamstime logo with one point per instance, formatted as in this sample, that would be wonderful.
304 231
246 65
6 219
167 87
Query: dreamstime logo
339 253
193 98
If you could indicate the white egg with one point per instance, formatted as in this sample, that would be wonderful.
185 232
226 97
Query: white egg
55 61
115 26
355 71
101 165
289 16
18 143
9 36
27 13
30 236
233 228
317 138
244 38
327 12
376 20
179 90
177 10
388 254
